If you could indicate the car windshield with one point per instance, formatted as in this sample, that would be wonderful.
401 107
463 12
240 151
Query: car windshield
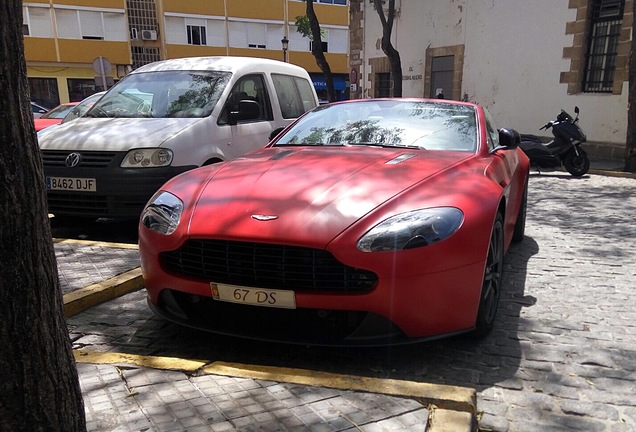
163 94
59 112
425 125
81 108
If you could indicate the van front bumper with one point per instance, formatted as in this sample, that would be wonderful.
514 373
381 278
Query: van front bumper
115 192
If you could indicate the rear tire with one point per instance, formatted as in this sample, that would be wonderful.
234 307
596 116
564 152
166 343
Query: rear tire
492 282
577 165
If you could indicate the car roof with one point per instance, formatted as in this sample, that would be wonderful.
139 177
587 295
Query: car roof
221 63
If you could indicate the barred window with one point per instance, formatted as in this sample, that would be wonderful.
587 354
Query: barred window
144 55
606 19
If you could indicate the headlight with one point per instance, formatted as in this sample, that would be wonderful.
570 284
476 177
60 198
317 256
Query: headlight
144 158
413 229
162 213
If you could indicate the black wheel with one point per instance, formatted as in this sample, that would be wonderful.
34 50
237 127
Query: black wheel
493 278
520 223
577 165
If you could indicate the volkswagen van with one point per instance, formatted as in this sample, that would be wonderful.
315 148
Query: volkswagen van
163 119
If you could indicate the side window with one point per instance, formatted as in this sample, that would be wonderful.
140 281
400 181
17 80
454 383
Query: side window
250 87
492 131
305 88
294 95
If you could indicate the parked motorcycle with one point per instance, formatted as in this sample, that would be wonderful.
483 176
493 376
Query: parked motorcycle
564 150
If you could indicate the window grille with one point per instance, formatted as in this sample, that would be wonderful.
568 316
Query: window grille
606 19
144 55
44 91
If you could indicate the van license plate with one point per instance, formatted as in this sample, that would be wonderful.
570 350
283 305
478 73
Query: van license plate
71 184
254 296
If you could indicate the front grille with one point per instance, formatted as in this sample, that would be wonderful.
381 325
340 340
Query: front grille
266 266
76 202
89 159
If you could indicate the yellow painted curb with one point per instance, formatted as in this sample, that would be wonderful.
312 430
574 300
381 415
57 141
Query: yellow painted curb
84 298
452 409
610 173
97 243
154 362
443 396
441 420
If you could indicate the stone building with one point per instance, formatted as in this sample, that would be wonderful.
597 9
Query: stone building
522 59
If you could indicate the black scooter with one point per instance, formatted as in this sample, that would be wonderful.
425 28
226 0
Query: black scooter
564 150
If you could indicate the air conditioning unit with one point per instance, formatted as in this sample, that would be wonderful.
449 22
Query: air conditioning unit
149 34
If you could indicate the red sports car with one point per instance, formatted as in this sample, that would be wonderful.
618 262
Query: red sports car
365 222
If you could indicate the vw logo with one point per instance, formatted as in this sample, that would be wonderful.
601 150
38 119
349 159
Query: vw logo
73 159
260 217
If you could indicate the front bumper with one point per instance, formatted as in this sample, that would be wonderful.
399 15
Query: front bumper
398 310
121 192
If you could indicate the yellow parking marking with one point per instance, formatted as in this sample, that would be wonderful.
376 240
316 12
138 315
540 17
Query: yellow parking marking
154 362
97 243
79 300
439 397
443 396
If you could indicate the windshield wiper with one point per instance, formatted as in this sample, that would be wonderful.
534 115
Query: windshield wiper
369 144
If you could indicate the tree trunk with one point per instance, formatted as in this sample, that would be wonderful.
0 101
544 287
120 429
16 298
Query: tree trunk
39 387
317 51
630 150
387 47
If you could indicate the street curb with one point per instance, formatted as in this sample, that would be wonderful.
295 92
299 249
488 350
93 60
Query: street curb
97 243
84 298
610 173
452 409
442 396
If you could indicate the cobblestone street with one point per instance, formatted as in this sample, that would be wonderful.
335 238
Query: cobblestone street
568 320
562 354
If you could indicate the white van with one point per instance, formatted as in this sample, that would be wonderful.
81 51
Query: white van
163 119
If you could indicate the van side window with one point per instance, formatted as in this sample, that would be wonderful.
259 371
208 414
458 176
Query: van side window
250 87
295 95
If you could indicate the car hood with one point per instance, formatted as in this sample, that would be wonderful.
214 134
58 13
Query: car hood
41 123
307 195
113 134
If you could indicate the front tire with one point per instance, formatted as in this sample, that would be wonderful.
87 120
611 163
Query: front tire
492 282
520 224
577 165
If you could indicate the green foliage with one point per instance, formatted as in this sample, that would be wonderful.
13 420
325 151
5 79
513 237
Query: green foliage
303 26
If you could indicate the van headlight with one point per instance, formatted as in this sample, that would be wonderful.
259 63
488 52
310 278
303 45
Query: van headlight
147 158
162 213
412 229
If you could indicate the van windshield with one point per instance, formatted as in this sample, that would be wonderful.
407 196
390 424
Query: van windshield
191 94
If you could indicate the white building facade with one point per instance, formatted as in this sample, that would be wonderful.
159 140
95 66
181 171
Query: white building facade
522 59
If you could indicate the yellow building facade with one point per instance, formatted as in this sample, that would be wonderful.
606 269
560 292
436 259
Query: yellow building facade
73 46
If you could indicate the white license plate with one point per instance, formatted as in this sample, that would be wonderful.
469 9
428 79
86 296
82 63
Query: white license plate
71 184
254 296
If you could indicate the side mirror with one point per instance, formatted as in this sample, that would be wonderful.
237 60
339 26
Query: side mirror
509 138
247 110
